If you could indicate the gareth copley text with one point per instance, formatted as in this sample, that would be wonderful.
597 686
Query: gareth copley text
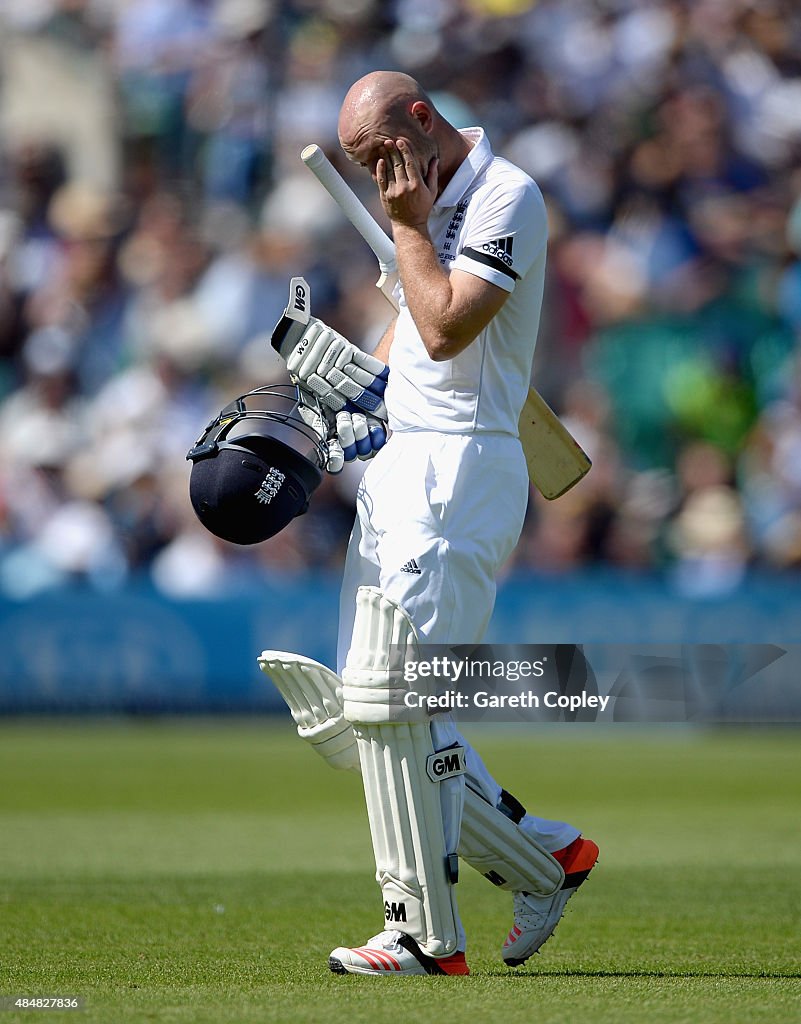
455 700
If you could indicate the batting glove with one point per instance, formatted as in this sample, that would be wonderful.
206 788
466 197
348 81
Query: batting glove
359 434
326 363
322 422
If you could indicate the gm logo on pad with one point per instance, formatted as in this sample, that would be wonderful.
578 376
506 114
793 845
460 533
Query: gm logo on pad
394 911
446 764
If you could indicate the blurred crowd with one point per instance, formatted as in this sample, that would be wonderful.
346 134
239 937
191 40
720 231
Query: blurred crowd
153 208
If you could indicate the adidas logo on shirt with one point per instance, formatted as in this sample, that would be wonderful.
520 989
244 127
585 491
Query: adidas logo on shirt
500 248
496 254
412 567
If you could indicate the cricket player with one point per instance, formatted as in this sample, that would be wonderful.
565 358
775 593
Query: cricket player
439 510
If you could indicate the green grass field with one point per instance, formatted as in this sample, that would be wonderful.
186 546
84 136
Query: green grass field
201 872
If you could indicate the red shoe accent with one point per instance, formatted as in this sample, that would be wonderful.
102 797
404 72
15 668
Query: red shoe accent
368 956
378 958
577 859
455 964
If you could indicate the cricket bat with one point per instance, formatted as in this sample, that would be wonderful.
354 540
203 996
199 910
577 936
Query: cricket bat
555 460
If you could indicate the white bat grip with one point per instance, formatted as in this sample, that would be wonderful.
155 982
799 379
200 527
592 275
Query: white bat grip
339 190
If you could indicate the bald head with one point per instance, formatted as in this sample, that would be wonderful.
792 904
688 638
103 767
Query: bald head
390 105
380 98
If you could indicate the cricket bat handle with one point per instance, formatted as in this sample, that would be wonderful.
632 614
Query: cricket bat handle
339 190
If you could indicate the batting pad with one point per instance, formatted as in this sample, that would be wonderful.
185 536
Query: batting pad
493 844
314 696
414 794
384 638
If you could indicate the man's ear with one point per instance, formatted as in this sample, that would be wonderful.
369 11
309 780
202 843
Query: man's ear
421 112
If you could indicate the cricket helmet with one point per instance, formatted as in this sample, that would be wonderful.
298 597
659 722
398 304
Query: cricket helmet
256 465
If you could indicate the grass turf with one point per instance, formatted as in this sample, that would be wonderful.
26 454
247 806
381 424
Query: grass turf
201 872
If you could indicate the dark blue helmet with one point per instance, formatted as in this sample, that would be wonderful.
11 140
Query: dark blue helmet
256 464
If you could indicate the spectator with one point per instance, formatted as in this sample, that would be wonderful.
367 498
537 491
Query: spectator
144 259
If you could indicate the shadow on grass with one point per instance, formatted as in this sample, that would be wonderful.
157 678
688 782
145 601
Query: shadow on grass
512 973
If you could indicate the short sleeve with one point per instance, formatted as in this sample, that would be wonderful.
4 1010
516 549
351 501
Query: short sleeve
505 232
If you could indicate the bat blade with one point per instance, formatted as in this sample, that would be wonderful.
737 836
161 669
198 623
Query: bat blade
556 461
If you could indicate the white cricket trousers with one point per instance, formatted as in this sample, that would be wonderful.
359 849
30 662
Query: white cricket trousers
437 516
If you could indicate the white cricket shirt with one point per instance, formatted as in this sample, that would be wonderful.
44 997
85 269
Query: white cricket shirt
490 221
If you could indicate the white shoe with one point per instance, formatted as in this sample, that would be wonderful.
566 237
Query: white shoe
536 917
393 953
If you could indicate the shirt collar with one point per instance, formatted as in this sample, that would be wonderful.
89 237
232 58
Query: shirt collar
476 159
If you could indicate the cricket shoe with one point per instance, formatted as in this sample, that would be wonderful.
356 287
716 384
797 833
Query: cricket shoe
393 953
536 917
